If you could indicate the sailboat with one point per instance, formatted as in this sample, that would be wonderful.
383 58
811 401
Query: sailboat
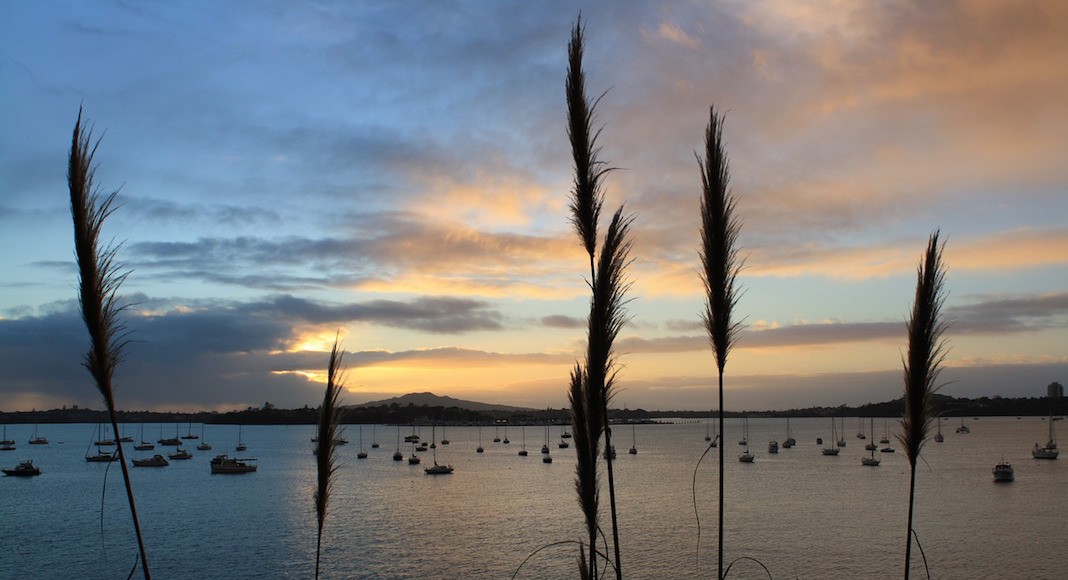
444 440
790 441
189 434
240 440
963 428
833 449
144 445
496 438
886 433
1050 450
708 436
841 440
938 436
437 469
860 429
5 443
101 455
37 440
745 436
563 443
362 454
374 438
171 441
203 445
746 456
397 455
523 447
480 448
506 441
633 441
545 448
871 461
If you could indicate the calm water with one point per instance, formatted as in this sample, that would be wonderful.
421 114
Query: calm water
802 514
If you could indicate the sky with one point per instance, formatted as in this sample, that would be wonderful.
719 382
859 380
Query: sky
397 174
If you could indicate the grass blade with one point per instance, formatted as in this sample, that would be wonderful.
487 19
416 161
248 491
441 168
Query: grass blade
326 444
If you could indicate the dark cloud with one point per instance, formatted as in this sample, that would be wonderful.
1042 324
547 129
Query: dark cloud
561 321
999 315
216 353
987 316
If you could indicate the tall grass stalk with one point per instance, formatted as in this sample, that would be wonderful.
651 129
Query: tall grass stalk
591 387
100 278
720 267
326 443
926 351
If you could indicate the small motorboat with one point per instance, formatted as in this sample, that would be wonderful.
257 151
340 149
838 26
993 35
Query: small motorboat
23 469
180 454
1003 472
156 460
225 464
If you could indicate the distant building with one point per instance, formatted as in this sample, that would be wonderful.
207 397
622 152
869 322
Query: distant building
1055 390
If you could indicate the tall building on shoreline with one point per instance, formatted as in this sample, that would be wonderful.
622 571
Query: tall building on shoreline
1055 390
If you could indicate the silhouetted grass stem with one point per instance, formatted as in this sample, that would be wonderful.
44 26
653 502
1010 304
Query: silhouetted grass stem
926 351
326 443
99 280
720 267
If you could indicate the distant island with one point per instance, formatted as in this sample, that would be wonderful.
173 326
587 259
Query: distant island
428 408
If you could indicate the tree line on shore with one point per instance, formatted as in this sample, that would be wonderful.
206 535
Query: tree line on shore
396 414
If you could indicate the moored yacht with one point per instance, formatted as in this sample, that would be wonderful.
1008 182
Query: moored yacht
1003 472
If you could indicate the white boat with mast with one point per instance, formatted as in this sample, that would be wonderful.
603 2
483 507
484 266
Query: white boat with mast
746 456
144 445
37 439
523 446
963 428
833 449
860 428
437 469
362 454
841 439
5 443
397 455
633 441
240 440
203 445
1049 451
101 455
886 432
789 441
870 461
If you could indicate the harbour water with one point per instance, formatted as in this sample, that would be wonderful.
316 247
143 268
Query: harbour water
801 514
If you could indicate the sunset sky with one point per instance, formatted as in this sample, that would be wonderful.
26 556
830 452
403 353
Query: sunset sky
399 172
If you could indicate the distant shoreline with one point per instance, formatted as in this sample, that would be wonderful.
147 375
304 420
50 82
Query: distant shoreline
427 414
